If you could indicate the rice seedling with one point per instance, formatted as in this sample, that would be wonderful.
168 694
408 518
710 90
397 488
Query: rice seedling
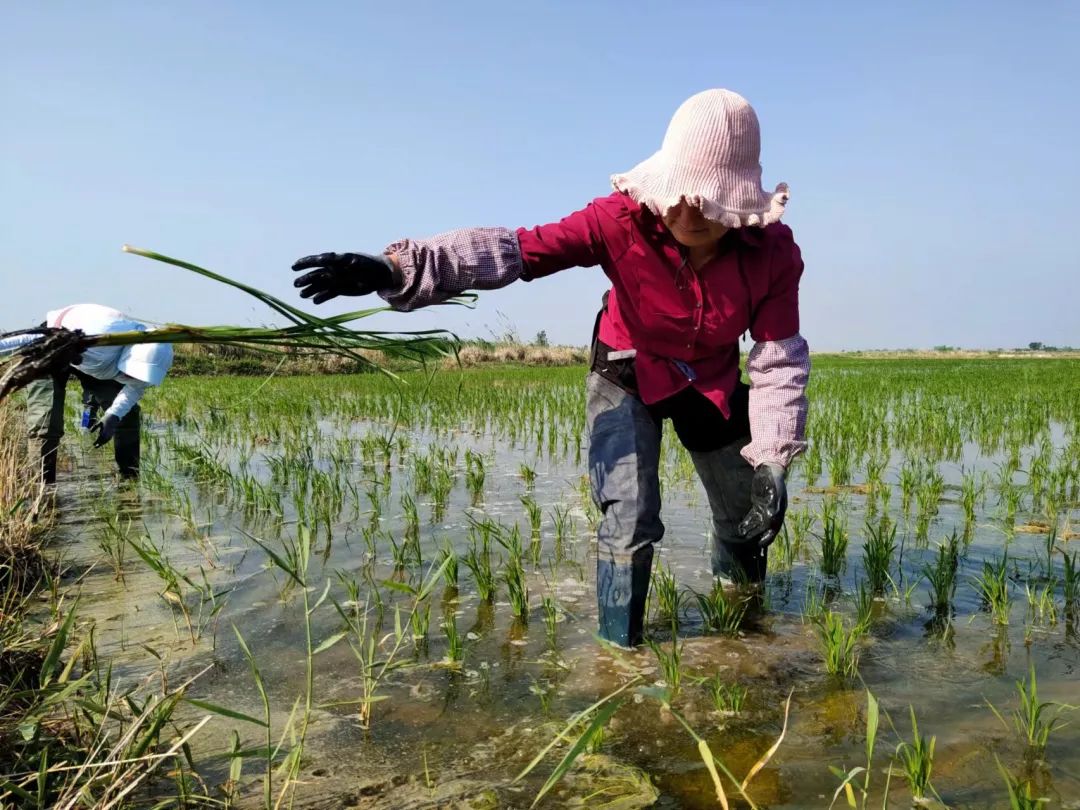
782 552
545 692
721 612
455 645
113 535
928 495
528 476
551 619
534 513
1042 607
878 551
475 475
875 469
670 663
1011 499
449 559
815 602
665 594
834 539
440 492
401 553
423 474
811 465
847 778
1071 582
727 697
1033 719
563 526
517 589
911 472
799 523
294 563
941 575
411 517
420 620
917 761
839 460
839 645
478 561
864 607
1019 794
375 662
173 591
995 589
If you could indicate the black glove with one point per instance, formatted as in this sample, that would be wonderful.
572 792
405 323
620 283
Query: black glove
768 503
105 429
334 274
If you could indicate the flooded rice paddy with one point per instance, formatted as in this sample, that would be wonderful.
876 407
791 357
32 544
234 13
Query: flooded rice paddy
384 594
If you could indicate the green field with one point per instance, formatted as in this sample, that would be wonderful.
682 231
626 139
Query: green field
380 595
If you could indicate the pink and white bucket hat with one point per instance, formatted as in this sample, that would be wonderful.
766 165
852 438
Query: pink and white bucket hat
710 158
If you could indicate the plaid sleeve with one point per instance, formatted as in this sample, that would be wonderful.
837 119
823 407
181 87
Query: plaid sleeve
779 371
435 269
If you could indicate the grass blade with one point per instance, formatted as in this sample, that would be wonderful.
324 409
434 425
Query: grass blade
598 722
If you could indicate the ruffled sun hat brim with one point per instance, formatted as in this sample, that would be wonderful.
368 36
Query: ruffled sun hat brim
655 185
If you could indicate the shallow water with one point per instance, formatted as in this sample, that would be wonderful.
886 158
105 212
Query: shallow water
457 736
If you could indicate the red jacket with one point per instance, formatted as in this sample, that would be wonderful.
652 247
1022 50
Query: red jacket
661 307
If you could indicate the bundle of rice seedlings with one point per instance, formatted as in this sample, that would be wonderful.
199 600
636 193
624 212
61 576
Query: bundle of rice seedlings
57 347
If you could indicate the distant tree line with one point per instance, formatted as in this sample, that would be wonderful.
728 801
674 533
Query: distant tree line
1036 346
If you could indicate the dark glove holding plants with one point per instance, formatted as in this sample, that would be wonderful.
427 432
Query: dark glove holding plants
105 429
334 274
768 503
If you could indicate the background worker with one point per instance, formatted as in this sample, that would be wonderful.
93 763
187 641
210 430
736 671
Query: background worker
114 379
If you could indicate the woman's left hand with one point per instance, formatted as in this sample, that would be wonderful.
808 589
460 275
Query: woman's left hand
768 503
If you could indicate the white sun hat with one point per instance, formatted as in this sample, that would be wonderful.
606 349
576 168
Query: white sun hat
711 159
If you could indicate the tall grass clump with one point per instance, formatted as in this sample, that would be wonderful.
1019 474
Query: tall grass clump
68 735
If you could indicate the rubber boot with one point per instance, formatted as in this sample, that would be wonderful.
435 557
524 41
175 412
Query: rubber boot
621 591
44 452
45 422
126 444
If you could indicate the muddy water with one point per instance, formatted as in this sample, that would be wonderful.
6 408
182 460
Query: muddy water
457 736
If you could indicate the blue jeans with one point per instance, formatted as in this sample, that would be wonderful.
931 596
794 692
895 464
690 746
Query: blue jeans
624 462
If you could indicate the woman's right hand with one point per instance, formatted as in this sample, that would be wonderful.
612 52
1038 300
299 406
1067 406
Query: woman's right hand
334 274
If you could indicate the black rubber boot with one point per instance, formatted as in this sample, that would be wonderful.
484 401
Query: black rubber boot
621 591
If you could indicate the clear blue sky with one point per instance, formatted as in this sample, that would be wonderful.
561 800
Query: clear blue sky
931 149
